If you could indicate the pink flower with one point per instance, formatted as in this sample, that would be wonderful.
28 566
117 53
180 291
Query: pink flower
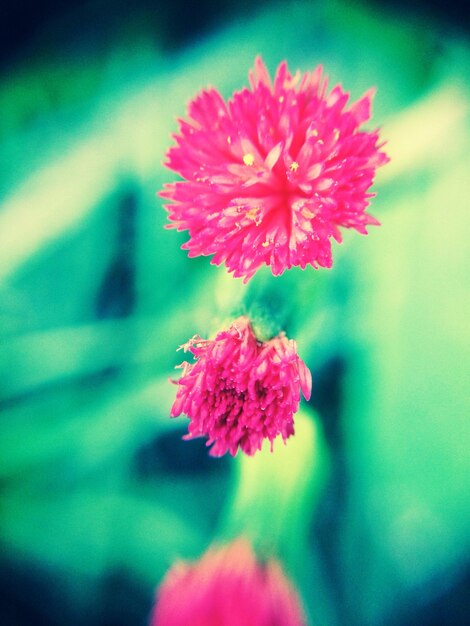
240 391
227 587
272 175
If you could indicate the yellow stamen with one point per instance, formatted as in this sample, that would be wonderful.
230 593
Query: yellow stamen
294 166
248 159
253 214
307 213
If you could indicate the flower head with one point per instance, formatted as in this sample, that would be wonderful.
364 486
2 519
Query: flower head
227 587
240 391
272 175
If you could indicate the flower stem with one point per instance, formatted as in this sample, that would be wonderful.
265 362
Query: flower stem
274 501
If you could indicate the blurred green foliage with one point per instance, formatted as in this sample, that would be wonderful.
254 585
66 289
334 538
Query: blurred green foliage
98 493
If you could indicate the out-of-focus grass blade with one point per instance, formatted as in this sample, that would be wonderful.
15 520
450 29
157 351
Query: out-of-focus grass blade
407 420
42 358
94 530
66 437
415 138
37 359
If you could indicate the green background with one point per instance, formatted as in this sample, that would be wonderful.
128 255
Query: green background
99 495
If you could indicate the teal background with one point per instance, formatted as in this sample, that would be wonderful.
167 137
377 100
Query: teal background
99 495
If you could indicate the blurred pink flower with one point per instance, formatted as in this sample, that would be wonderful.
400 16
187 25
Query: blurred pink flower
227 587
240 391
272 174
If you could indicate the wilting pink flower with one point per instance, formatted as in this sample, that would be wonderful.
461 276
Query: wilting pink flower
240 391
227 587
272 174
